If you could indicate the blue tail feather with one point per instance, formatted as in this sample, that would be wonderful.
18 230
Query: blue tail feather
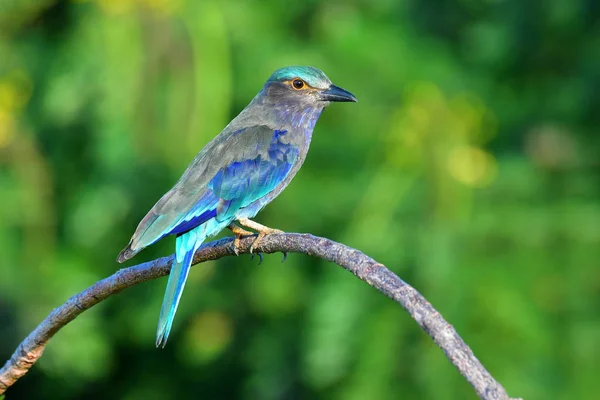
177 278
186 246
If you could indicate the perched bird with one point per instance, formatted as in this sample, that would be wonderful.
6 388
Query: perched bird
236 174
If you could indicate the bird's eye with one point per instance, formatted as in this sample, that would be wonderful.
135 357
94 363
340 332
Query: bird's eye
298 84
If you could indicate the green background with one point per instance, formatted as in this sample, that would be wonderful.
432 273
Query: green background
470 167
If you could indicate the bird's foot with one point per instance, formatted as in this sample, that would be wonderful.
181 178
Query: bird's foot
239 234
261 229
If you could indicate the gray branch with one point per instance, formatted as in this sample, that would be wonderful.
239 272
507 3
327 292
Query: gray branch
361 265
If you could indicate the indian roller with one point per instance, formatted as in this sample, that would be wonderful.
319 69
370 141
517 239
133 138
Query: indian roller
236 174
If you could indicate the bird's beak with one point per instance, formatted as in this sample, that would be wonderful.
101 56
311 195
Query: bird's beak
335 93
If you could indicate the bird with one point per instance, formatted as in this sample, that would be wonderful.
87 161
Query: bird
236 174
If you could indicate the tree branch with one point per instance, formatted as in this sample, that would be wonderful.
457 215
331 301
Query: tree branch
364 267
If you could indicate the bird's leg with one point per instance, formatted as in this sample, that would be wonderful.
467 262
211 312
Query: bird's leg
239 233
261 229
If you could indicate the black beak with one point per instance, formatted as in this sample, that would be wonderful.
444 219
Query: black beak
335 93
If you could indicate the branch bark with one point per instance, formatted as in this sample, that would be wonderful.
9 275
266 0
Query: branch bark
361 265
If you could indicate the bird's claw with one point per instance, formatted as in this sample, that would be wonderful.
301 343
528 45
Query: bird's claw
260 257
261 236
239 233
284 257
256 242
236 246
262 232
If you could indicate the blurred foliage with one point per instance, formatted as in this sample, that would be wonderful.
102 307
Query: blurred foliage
470 167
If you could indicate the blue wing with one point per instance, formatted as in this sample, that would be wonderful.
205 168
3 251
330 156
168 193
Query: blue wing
241 183
228 174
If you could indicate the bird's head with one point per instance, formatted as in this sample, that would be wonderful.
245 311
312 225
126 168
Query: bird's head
305 85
